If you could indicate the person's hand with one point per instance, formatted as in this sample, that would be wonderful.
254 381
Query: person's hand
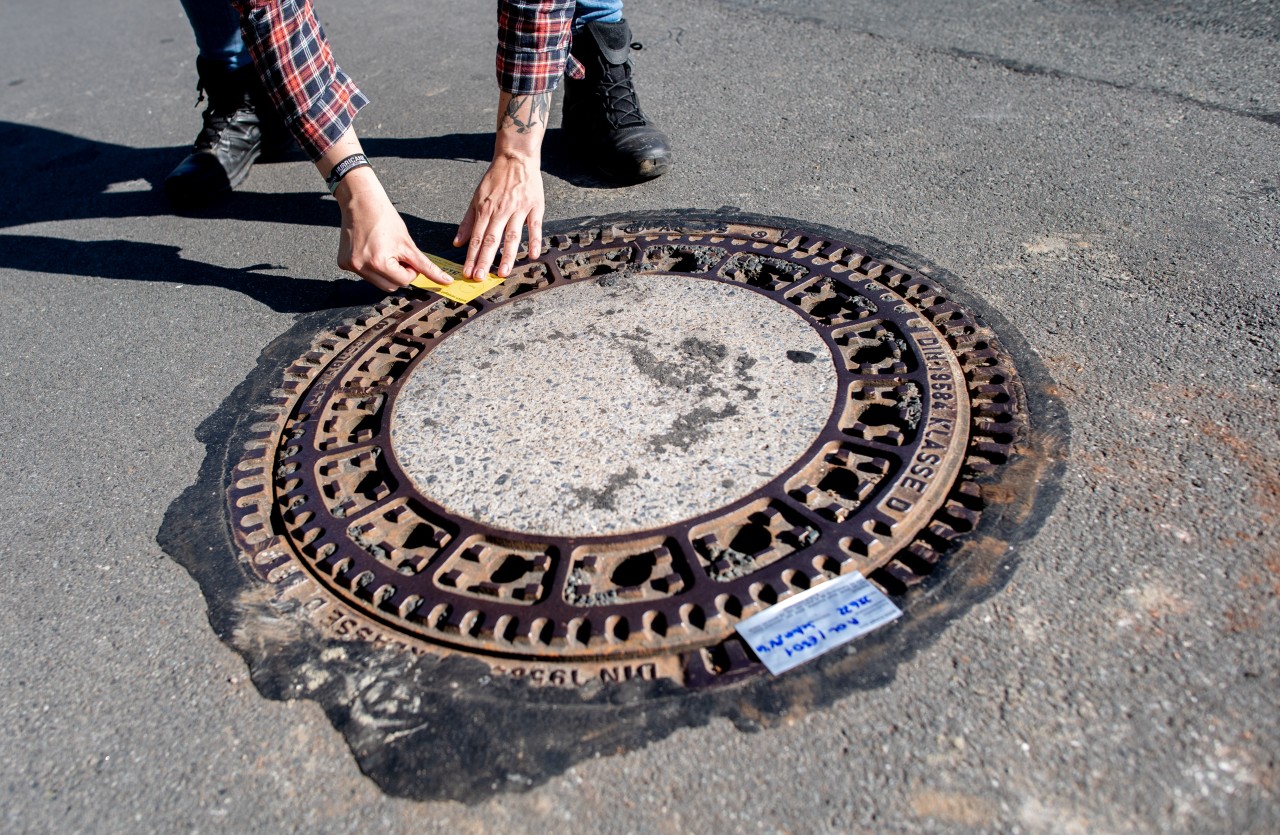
508 199
375 244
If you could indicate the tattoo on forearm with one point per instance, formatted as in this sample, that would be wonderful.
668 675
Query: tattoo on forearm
525 113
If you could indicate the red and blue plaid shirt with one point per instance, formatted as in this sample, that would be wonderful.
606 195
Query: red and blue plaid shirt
318 101
533 45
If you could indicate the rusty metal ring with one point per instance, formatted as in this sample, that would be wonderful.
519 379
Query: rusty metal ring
929 405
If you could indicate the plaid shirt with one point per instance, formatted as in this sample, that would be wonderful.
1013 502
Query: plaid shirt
533 45
318 101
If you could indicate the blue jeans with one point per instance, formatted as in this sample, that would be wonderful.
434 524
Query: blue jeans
596 11
217 27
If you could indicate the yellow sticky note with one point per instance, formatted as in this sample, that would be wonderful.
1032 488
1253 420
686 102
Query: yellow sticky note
461 290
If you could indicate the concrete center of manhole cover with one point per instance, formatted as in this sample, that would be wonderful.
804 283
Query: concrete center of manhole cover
613 406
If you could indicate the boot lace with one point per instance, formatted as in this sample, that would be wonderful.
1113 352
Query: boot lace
217 116
622 107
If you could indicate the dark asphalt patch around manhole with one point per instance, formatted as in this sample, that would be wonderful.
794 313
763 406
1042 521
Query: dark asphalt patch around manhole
460 657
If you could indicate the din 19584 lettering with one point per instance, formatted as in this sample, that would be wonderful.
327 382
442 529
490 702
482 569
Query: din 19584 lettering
575 677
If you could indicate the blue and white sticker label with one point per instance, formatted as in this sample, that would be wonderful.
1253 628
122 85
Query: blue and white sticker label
816 621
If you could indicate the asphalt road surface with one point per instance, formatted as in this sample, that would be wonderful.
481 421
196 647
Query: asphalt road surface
1104 173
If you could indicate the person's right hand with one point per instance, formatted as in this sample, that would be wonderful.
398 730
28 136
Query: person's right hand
508 198
374 243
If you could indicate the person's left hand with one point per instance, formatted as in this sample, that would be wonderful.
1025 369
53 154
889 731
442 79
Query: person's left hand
374 242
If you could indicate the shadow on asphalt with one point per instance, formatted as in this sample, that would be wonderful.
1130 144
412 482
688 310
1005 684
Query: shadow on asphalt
70 177
140 261
557 160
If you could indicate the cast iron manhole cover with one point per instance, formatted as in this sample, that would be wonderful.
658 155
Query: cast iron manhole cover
592 473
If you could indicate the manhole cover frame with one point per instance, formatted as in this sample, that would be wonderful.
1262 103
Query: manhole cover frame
998 424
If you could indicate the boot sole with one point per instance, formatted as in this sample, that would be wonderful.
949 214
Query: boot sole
648 169
652 168
575 141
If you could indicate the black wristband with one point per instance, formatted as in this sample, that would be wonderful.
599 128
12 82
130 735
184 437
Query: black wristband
344 167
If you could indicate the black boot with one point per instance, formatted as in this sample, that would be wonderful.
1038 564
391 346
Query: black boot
602 116
231 140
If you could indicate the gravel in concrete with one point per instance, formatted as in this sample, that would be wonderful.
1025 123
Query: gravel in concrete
607 408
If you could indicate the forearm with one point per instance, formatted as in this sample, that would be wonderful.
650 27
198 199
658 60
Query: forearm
374 243
522 125
358 181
